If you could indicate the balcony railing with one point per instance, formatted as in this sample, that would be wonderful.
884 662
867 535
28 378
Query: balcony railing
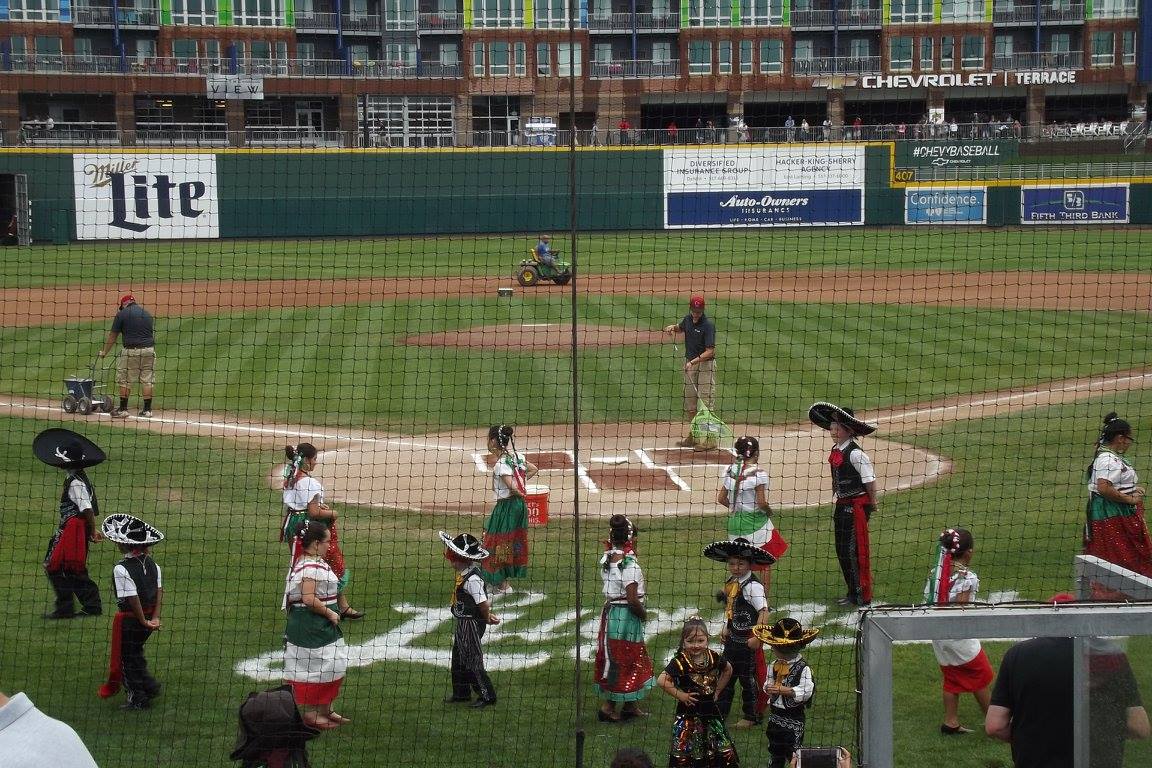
629 69
448 23
645 22
38 132
1049 14
835 65
181 134
845 17
1038 61
326 22
100 65
101 16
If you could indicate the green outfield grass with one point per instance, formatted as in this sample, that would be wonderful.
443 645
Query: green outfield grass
963 249
1016 479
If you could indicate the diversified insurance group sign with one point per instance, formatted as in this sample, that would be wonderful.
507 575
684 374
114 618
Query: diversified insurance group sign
764 187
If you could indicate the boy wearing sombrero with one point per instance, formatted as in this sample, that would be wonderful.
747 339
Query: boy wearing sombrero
789 686
854 494
139 595
472 609
745 606
66 563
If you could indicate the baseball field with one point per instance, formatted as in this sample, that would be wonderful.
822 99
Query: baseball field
986 356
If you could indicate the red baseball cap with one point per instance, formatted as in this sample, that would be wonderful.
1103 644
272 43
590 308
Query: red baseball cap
696 302
127 299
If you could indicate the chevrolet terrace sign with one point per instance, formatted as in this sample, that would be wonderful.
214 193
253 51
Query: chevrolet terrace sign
972 80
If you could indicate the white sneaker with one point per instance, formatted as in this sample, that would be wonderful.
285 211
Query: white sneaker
120 413
145 414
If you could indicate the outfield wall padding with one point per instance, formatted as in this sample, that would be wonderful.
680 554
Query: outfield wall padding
373 194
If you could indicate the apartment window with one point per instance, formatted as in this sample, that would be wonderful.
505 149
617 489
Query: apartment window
745 57
661 52
212 50
566 68
911 11
520 59
699 57
498 54
552 14
34 10
194 13
306 51
709 13
183 48
602 53
48 46
860 48
449 54
83 47
1060 42
398 14
258 13
543 60
1002 52
761 13
947 53
262 51
926 54
973 53
477 59
1103 49
400 54
359 54
498 13
1128 47
1114 9
900 54
801 49
724 57
19 46
772 56
962 10
145 49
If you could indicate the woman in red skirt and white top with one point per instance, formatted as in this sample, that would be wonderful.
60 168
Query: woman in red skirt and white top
963 663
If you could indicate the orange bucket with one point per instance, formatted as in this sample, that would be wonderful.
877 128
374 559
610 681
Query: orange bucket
536 499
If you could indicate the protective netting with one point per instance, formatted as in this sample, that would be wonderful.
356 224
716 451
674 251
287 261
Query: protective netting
389 305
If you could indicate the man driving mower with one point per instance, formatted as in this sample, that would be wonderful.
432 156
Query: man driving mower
544 253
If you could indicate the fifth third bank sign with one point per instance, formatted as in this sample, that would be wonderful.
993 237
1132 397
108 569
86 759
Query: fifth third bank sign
145 197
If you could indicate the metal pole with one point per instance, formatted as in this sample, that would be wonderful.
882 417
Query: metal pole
577 554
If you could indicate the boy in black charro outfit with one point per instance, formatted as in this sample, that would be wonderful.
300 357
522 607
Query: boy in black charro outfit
854 489
66 562
471 607
139 595
745 606
789 686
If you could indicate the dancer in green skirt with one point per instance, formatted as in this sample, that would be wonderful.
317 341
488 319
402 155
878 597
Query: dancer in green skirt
506 532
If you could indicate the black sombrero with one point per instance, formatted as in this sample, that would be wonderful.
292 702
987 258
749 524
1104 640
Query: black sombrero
465 545
66 449
785 634
126 529
822 414
722 550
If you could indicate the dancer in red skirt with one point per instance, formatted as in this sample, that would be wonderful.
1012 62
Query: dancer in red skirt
1115 529
963 662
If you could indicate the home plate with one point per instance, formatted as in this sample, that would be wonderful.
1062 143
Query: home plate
610 460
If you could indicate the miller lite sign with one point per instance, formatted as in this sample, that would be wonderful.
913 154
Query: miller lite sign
145 196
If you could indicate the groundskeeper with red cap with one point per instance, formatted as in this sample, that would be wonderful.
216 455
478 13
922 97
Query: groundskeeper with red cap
699 362
137 363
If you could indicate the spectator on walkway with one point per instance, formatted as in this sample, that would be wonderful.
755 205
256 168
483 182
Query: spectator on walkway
672 131
789 130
